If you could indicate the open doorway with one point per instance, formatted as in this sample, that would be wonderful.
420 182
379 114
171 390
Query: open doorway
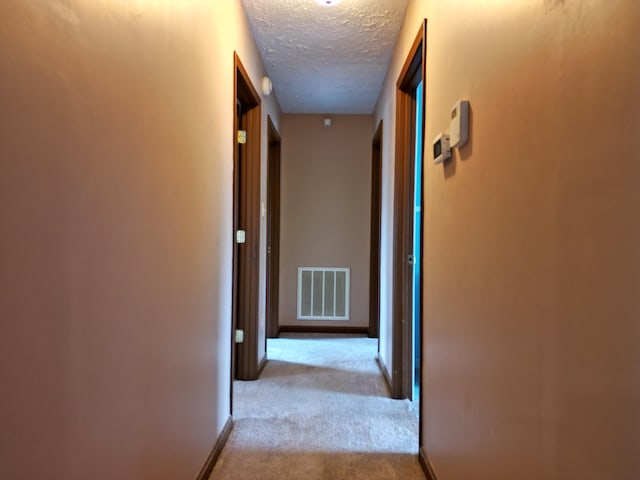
408 223
273 230
416 289
374 259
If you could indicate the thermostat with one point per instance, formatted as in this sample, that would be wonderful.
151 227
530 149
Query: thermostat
459 127
441 148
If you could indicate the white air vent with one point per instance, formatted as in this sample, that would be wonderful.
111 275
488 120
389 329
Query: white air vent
323 293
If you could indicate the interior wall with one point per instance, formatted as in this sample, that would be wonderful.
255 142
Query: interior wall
116 147
325 211
532 265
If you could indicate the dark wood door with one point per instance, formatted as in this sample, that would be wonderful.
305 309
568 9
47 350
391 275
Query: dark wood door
246 222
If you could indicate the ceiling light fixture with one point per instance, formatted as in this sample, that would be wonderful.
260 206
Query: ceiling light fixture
328 3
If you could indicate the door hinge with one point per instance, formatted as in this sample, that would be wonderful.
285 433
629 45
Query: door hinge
241 236
239 338
242 136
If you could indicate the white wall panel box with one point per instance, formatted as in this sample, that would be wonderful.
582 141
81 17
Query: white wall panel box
459 127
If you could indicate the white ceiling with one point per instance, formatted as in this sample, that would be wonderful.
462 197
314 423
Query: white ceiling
326 59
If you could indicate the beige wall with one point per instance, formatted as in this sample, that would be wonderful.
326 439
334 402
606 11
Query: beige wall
325 213
116 209
532 234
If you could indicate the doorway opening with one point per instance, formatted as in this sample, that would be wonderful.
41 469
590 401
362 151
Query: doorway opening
273 230
417 241
245 362
408 223
374 260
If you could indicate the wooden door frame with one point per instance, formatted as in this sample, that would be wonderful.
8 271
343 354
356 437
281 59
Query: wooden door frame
413 71
273 231
246 216
374 255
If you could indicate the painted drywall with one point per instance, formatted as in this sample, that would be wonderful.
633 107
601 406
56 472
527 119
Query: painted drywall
116 159
532 264
325 210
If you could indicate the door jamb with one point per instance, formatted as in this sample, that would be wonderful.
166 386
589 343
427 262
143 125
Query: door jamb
246 216
413 71
374 259
273 230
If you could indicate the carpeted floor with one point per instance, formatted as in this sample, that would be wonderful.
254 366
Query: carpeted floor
320 410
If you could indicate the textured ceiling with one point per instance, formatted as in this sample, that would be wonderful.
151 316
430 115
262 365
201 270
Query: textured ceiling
326 59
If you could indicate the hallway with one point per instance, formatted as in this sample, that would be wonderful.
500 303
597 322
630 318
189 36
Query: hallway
321 410
120 146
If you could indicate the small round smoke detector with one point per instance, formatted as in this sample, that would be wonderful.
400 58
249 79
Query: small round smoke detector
328 3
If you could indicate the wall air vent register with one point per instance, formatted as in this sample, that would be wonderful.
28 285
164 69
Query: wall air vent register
323 293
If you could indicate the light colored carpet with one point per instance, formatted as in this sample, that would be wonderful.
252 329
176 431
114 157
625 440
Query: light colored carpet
320 410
